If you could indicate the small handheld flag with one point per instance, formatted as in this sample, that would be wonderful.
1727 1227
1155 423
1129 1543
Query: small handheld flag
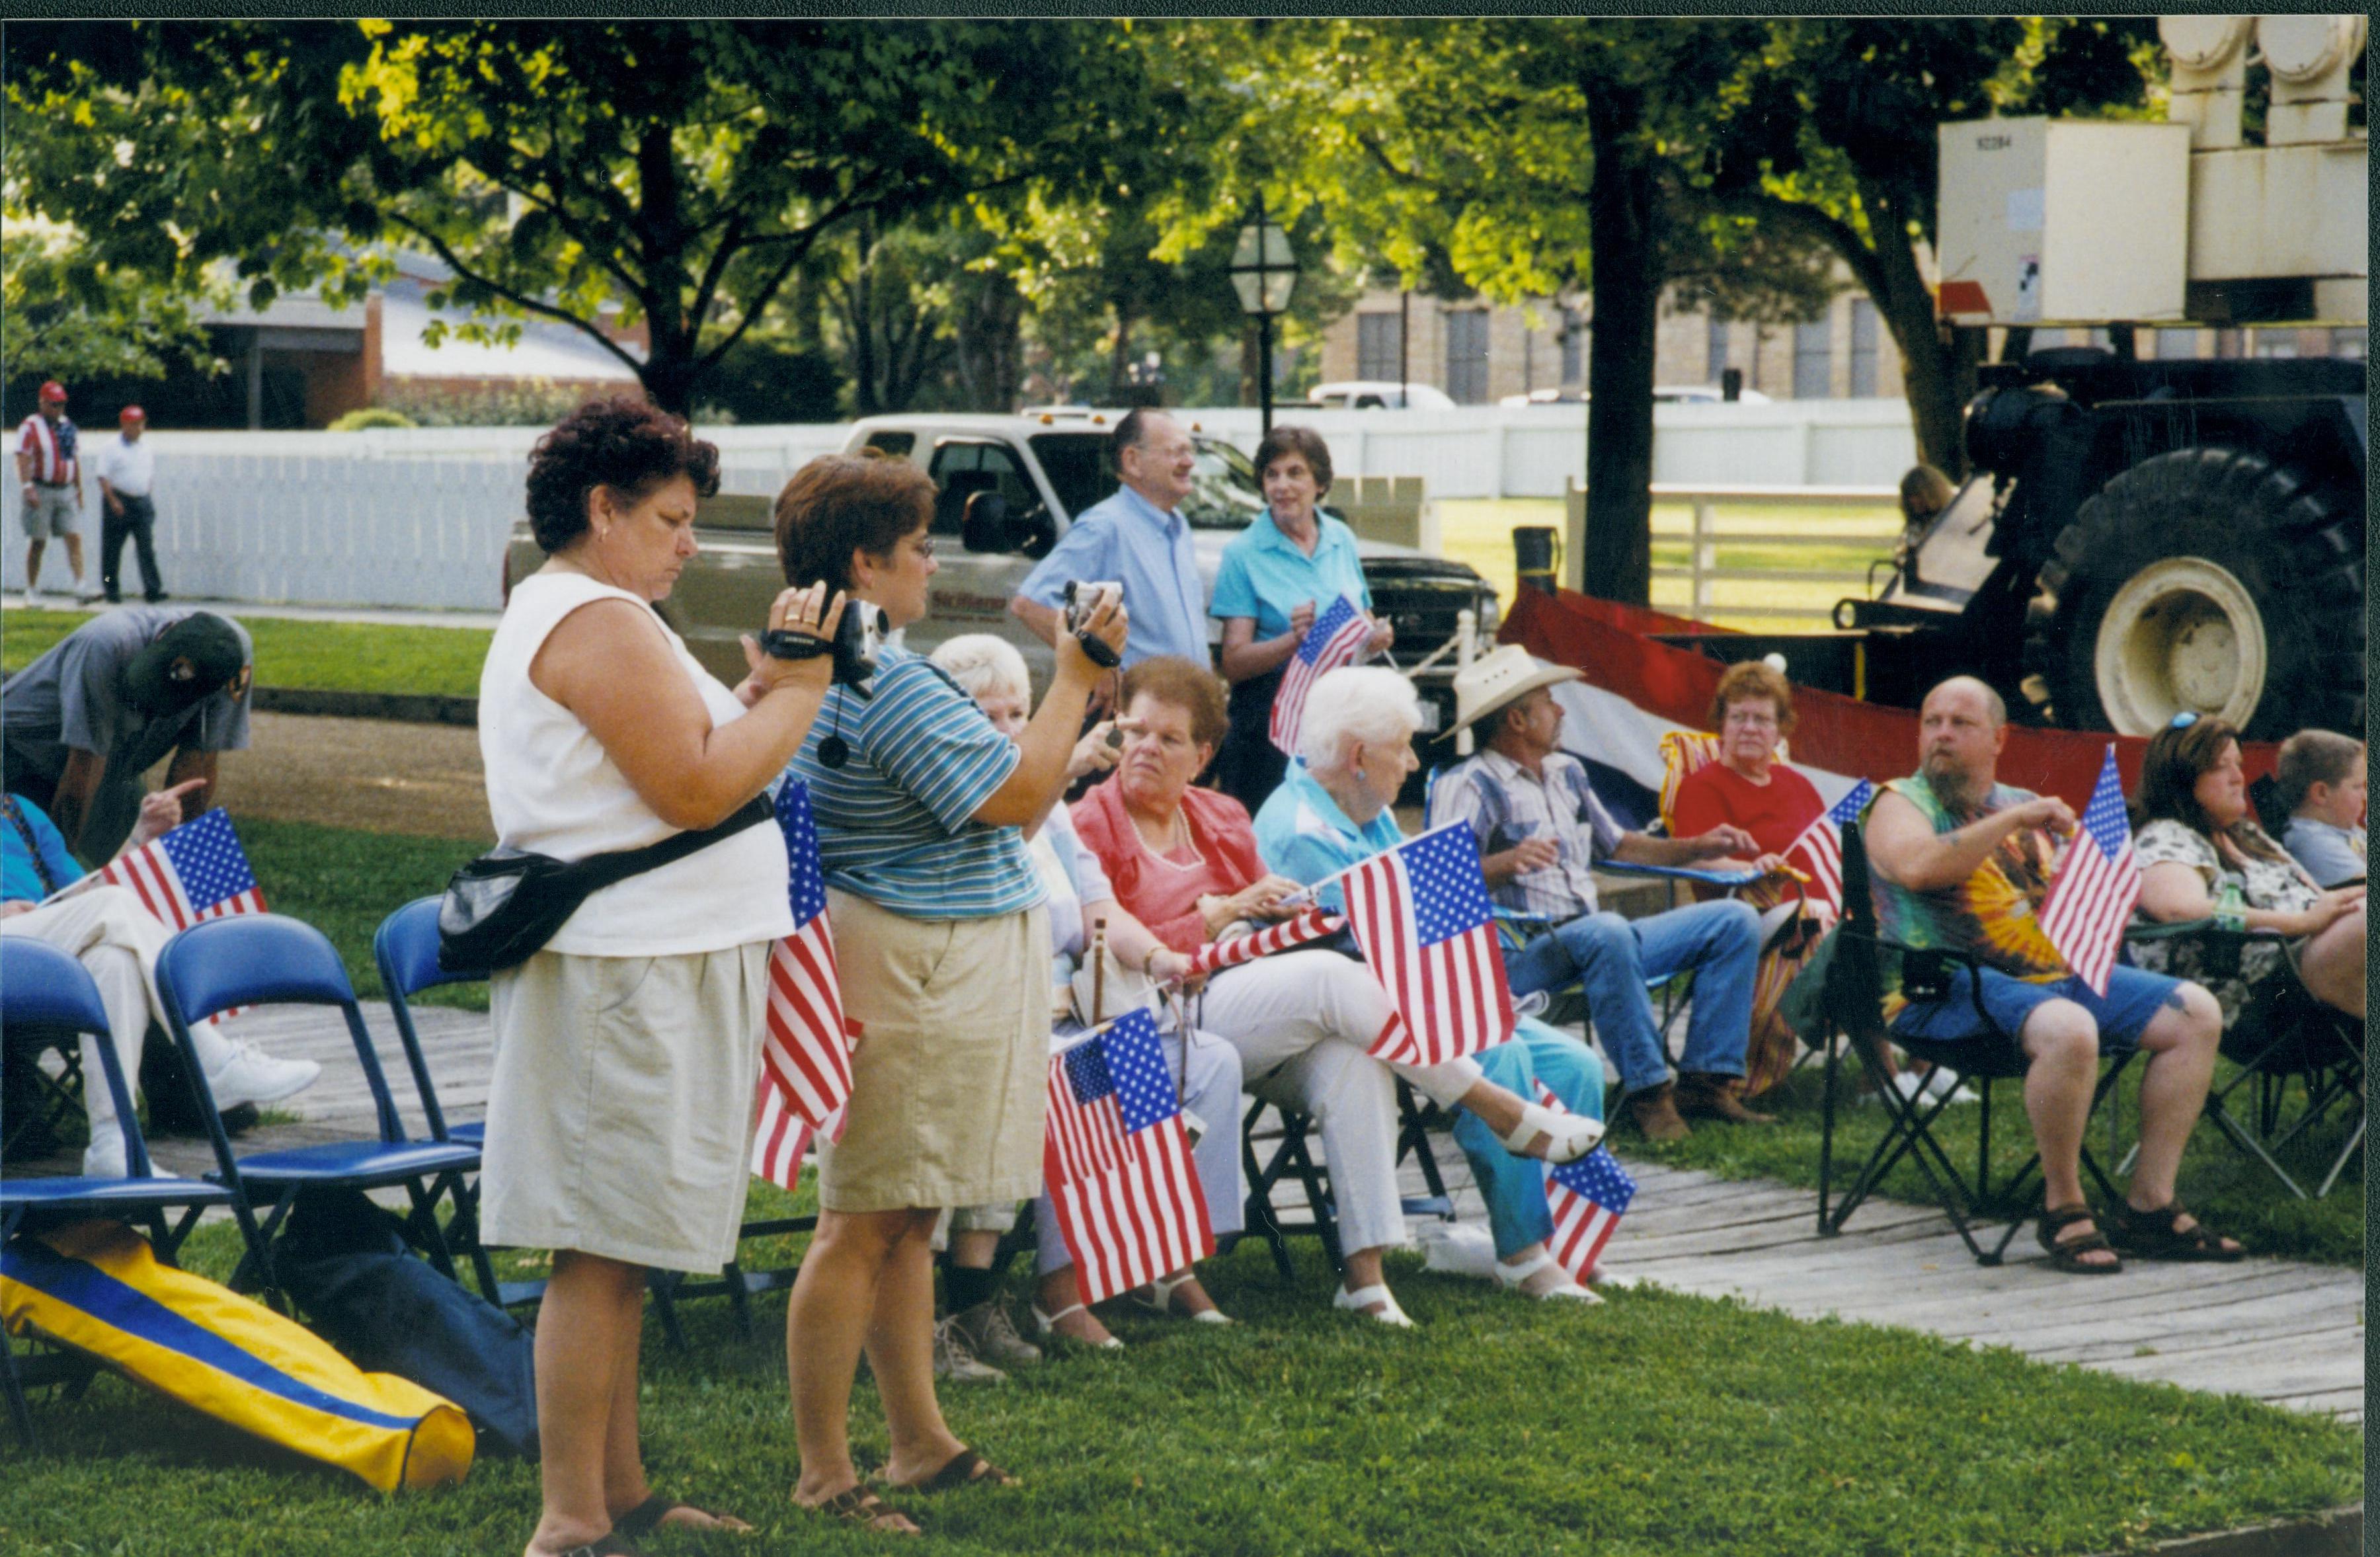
1587 1199
1820 847
804 1047
1335 638
1420 912
2091 894
1116 1160
197 872
1216 955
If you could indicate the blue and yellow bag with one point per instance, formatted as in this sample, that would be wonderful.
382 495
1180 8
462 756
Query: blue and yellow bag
97 1287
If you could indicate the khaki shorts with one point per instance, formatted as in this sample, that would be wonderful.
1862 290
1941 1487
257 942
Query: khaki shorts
53 512
620 1112
950 1072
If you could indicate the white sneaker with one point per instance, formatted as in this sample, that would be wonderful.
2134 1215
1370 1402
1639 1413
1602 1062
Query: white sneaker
104 1158
251 1075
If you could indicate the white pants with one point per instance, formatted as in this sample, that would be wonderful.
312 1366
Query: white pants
1304 1022
117 941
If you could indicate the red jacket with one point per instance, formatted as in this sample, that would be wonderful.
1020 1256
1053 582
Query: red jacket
1161 894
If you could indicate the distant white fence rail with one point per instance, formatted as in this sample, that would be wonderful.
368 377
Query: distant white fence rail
418 517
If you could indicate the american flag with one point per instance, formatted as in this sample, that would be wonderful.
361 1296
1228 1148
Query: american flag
1334 640
805 1050
1587 1199
2091 897
1820 849
197 872
1421 913
1216 955
1117 1161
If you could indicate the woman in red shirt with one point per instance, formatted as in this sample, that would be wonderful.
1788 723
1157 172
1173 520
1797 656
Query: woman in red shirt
1747 788
1184 862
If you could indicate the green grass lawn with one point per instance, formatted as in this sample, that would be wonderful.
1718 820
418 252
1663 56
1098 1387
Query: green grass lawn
323 656
1657 1424
1479 531
344 882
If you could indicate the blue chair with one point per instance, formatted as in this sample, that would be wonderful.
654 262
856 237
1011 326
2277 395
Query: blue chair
406 948
47 997
268 959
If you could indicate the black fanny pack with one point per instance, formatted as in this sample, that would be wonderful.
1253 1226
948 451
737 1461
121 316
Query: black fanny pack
502 907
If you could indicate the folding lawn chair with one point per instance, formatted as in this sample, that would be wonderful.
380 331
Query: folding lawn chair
270 959
2282 1034
1292 1154
46 998
1854 1003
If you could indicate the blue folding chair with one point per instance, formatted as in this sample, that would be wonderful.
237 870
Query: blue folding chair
47 997
268 959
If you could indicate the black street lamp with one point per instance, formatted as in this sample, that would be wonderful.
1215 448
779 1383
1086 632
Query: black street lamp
1264 271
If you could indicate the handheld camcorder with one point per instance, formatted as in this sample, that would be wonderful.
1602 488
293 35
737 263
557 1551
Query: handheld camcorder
1081 603
856 638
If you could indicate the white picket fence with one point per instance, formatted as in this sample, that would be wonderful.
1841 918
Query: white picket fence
418 517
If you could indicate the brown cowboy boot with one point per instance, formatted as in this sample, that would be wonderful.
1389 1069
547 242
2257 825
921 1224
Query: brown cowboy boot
1705 1095
1654 1111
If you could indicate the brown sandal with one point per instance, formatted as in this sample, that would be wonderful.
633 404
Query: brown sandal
2154 1236
2068 1256
647 1516
966 1468
858 1505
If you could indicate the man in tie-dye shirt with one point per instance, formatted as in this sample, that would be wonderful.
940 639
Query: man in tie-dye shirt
1960 863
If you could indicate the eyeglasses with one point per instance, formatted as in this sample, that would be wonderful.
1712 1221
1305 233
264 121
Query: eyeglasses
2183 721
1753 720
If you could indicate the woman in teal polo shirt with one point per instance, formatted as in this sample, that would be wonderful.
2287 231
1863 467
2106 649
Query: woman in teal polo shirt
1278 574
1331 812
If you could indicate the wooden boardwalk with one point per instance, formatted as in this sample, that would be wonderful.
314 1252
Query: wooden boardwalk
2280 1331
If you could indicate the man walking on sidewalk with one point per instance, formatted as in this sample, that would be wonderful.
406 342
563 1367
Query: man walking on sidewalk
127 468
50 476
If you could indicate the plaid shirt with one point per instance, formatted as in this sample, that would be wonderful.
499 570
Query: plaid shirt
1504 803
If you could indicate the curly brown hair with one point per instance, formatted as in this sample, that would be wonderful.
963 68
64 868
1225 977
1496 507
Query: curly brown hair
2170 768
629 445
1750 679
839 504
1171 679
1287 438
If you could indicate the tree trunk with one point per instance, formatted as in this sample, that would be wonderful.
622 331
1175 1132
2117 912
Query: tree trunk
1120 357
989 345
1617 556
1937 368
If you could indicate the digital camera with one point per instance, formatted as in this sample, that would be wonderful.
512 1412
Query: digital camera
1083 601
857 639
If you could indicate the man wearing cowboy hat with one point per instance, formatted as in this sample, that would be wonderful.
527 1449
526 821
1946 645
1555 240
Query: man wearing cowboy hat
1541 830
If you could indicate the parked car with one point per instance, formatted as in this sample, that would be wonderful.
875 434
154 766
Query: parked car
1663 395
1375 395
1044 468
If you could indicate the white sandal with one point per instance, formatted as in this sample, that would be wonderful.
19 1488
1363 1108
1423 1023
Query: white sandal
1361 1300
1511 1277
1045 1328
1158 1297
1569 1136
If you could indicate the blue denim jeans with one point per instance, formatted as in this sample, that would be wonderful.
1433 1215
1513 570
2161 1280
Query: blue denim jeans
1514 1186
1611 958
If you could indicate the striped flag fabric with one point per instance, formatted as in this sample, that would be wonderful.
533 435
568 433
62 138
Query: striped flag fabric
2091 895
1216 955
197 872
1116 1160
806 1044
1420 912
1587 1198
1819 850
1334 640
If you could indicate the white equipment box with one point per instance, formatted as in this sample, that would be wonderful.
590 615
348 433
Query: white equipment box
2063 220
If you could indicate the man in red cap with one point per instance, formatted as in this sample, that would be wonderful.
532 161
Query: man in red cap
51 476
127 469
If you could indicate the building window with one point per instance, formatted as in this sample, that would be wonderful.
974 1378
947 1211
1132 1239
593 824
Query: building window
1715 354
2273 343
2177 345
2350 343
1381 348
1573 348
1466 356
1813 359
1864 332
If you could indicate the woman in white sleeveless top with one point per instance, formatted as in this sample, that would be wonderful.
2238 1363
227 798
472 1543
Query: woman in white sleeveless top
626 1051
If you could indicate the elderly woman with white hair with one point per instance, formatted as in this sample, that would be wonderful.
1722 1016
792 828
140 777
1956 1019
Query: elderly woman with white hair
1332 811
1205 1069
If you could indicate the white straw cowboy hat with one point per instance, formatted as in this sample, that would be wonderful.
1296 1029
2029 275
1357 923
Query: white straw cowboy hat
1508 674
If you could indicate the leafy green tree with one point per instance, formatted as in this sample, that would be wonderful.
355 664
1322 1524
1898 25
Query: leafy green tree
1828 130
73 318
680 172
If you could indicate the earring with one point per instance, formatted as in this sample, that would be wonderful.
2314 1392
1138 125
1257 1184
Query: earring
1359 772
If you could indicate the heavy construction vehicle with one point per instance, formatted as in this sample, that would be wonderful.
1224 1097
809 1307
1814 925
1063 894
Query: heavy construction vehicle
2141 538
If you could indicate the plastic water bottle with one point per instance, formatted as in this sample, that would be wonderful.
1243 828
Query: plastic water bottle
2230 909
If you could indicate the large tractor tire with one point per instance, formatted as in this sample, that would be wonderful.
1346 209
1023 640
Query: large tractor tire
2210 581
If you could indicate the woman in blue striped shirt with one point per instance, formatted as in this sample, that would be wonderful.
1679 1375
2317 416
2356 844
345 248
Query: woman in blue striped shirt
944 951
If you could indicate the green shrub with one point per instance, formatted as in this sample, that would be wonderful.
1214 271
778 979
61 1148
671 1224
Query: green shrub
371 416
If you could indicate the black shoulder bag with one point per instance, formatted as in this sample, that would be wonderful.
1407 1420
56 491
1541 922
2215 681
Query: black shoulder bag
502 907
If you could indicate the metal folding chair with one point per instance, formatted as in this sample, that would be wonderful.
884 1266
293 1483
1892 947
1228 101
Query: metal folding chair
1853 1001
268 959
1292 1154
46 998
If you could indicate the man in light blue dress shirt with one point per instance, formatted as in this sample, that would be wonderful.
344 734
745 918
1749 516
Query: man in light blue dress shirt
1138 539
